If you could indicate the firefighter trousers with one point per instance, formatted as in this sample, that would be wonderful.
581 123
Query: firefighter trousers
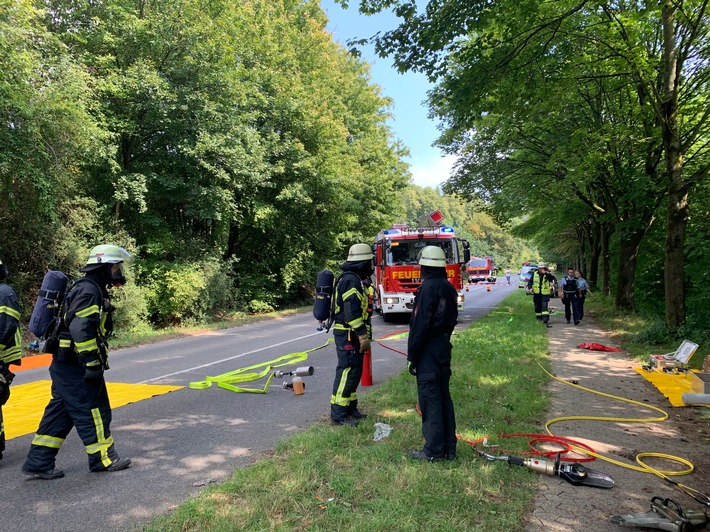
438 420
343 401
541 303
74 403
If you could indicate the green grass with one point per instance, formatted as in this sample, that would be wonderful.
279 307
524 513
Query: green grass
642 335
336 478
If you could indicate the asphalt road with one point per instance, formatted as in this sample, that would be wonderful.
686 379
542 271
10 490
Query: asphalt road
181 441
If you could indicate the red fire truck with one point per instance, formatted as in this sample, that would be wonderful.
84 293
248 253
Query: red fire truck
397 271
481 270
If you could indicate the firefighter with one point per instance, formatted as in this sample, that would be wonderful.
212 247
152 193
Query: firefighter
540 284
79 396
10 343
351 334
429 356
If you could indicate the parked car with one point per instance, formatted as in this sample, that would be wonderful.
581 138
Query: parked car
525 273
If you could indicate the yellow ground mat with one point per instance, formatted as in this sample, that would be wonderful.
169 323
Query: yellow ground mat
671 385
24 410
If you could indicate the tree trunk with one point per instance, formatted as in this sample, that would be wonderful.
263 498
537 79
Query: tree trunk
673 274
594 253
626 280
677 192
606 262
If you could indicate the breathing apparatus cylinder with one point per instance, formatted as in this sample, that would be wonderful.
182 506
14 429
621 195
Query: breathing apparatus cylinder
324 294
50 296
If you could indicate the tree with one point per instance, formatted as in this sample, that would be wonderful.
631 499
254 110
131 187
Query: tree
658 50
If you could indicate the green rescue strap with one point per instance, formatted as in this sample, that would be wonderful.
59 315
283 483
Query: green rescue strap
228 380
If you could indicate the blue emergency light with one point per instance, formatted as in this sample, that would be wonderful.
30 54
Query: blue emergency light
447 229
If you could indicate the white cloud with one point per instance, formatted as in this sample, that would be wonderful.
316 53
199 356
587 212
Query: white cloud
432 172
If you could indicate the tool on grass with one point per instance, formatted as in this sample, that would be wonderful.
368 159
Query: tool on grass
665 514
573 472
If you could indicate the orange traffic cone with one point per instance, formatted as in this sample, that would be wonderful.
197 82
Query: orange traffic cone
488 288
466 287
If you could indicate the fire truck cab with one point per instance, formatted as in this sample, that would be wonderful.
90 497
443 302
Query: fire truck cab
397 270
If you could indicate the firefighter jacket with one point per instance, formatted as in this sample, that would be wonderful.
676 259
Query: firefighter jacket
10 337
88 322
351 302
434 316
540 283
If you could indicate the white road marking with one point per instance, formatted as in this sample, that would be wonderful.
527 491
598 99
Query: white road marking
230 358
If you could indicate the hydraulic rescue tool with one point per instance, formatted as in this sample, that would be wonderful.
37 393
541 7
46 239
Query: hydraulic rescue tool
572 472
304 371
665 514
297 385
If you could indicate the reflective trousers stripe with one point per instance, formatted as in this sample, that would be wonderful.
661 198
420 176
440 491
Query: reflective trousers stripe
338 398
102 444
47 441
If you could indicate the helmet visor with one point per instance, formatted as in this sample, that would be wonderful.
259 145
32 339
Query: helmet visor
118 277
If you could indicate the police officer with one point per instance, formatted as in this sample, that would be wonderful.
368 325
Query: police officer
79 396
10 343
539 284
433 320
351 334
571 297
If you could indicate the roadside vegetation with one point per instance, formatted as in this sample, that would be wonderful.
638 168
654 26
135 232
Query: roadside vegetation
336 478
644 333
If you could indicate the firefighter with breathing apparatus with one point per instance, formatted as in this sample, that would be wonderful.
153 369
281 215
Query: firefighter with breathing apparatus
351 334
10 343
79 395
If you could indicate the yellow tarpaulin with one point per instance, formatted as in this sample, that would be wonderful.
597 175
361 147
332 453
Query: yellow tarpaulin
26 405
671 385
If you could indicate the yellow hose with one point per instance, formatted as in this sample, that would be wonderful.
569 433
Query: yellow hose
642 467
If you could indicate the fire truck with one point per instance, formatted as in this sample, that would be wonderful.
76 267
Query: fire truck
481 270
397 271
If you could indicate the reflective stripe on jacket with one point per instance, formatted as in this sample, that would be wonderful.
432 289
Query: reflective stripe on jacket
10 337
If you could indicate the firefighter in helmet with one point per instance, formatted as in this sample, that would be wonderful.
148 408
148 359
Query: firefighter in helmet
79 396
10 343
540 284
433 320
351 334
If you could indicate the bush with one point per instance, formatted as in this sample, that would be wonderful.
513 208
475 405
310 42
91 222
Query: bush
189 292
173 293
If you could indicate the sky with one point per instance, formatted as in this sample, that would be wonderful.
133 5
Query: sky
429 166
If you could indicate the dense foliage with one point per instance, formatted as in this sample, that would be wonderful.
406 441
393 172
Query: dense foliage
232 146
587 117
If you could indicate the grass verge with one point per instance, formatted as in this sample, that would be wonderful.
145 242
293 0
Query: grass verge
337 478
642 335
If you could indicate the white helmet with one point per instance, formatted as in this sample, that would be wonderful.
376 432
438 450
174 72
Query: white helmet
432 256
108 254
360 252
541 265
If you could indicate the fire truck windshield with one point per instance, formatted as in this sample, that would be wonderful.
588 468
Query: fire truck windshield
406 252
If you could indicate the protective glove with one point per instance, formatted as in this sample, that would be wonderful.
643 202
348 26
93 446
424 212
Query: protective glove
93 373
411 368
364 343
6 377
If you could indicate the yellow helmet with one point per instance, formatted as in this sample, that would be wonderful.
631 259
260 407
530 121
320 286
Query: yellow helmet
432 256
360 252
